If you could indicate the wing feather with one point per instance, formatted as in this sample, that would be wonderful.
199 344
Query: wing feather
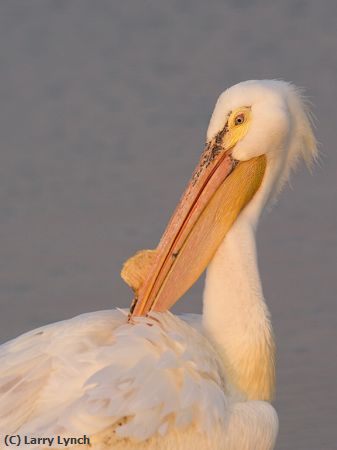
95 371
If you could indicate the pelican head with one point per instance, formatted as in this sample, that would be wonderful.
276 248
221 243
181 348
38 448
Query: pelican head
274 120
258 131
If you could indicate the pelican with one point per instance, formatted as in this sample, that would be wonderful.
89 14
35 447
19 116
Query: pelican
147 379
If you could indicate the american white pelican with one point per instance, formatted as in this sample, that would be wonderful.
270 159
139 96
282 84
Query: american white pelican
154 380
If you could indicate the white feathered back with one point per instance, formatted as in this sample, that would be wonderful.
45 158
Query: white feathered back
85 374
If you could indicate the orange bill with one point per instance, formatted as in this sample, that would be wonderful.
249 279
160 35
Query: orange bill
217 192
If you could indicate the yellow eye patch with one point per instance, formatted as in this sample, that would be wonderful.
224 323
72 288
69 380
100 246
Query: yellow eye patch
237 125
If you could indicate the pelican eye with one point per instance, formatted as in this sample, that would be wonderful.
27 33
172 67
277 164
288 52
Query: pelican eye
239 119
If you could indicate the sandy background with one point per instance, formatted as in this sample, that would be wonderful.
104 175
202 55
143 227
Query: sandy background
103 111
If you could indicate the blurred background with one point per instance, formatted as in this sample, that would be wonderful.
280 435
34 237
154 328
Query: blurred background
103 112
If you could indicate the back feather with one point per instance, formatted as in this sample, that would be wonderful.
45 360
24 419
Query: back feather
94 371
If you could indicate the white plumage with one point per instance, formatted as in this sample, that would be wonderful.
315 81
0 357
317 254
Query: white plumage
164 382
87 374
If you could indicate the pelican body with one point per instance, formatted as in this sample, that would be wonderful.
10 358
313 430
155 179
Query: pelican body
145 379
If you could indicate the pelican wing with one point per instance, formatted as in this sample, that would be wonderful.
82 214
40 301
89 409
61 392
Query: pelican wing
96 371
